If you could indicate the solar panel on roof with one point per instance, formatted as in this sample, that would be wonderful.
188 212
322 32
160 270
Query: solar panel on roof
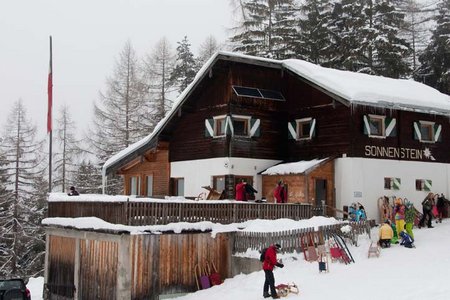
269 94
246 91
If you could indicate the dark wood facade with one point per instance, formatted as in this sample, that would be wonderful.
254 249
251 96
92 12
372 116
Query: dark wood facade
339 124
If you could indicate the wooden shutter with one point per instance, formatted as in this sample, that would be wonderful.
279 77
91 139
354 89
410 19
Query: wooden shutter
427 185
437 132
209 127
255 125
312 129
366 125
292 130
390 125
396 183
417 133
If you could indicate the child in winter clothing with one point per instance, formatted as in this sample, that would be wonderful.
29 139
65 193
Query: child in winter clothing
410 215
386 234
407 240
270 261
399 215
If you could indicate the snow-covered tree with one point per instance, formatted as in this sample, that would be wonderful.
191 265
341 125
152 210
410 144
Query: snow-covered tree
121 114
88 178
266 28
158 66
435 60
185 67
315 35
65 156
391 51
21 216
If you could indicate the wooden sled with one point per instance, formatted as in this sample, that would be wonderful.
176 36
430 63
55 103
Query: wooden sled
374 249
283 290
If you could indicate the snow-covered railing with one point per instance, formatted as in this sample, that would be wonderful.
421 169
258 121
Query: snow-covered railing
145 212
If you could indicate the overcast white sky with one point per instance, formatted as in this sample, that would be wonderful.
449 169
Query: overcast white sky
87 38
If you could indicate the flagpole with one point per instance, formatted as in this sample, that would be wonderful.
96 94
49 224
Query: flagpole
49 117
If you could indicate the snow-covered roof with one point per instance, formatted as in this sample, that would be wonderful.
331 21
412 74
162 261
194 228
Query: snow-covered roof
354 87
293 168
358 88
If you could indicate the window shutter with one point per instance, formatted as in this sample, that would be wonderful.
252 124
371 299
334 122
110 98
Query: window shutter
292 130
209 127
229 129
437 132
255 125
396 183
390 126
366 125
428 185
312 129
417 134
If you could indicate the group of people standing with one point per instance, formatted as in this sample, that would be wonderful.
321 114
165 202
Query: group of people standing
399 220
245 192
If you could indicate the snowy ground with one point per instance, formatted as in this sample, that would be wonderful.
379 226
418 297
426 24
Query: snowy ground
399 273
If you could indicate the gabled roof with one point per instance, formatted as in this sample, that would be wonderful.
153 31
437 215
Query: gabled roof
353 88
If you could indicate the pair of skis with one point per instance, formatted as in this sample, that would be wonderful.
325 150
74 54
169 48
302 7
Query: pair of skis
342 245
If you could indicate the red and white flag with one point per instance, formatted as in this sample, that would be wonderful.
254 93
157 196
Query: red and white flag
50 92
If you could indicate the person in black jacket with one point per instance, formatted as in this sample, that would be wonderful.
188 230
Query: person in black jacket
427 206
440 205
73 192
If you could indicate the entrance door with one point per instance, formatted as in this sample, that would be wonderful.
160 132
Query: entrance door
321 192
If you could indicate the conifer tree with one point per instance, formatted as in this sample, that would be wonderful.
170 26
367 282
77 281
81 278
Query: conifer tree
121 115
207 49
20 218
88 178
158 66
185 67
65 157
435 59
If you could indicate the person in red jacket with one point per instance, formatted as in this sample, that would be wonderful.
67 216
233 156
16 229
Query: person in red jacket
270 261
280 193
240 191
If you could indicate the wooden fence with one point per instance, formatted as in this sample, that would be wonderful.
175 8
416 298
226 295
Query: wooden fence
138 213
291 240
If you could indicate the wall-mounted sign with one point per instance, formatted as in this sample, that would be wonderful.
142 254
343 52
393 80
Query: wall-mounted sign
357 194
398 153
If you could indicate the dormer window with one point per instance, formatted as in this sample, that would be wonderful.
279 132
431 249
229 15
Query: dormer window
427 132
377 126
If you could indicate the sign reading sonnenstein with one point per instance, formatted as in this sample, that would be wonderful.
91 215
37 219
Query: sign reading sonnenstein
397 153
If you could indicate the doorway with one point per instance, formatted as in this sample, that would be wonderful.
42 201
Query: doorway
320 192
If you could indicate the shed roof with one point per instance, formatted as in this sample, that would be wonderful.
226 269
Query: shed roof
292 168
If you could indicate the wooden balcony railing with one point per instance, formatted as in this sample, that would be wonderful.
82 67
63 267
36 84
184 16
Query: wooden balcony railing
140 213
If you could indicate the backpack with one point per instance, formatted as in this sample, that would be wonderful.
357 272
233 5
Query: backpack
262 258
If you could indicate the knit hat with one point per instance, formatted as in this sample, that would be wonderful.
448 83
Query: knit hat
278 247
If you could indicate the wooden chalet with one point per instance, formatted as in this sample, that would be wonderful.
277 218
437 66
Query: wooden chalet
243 115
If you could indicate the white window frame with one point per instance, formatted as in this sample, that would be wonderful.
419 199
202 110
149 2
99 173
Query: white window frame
216 119
383 127
430 125
149 185
135 186
299 123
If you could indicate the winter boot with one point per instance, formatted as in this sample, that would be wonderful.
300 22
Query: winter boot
266 295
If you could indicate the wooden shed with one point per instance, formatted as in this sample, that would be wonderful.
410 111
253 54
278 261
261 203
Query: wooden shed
306 181
111 264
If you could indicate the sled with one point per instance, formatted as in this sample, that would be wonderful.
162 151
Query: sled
284 290
309 250
214 275
202 279
374 249
323 262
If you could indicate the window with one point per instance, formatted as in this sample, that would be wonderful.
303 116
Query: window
257 93
178 186
219 183
302 129
149 185
376 126
135 185
391 183
427 132
241 125
236 125
423 185
220 126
